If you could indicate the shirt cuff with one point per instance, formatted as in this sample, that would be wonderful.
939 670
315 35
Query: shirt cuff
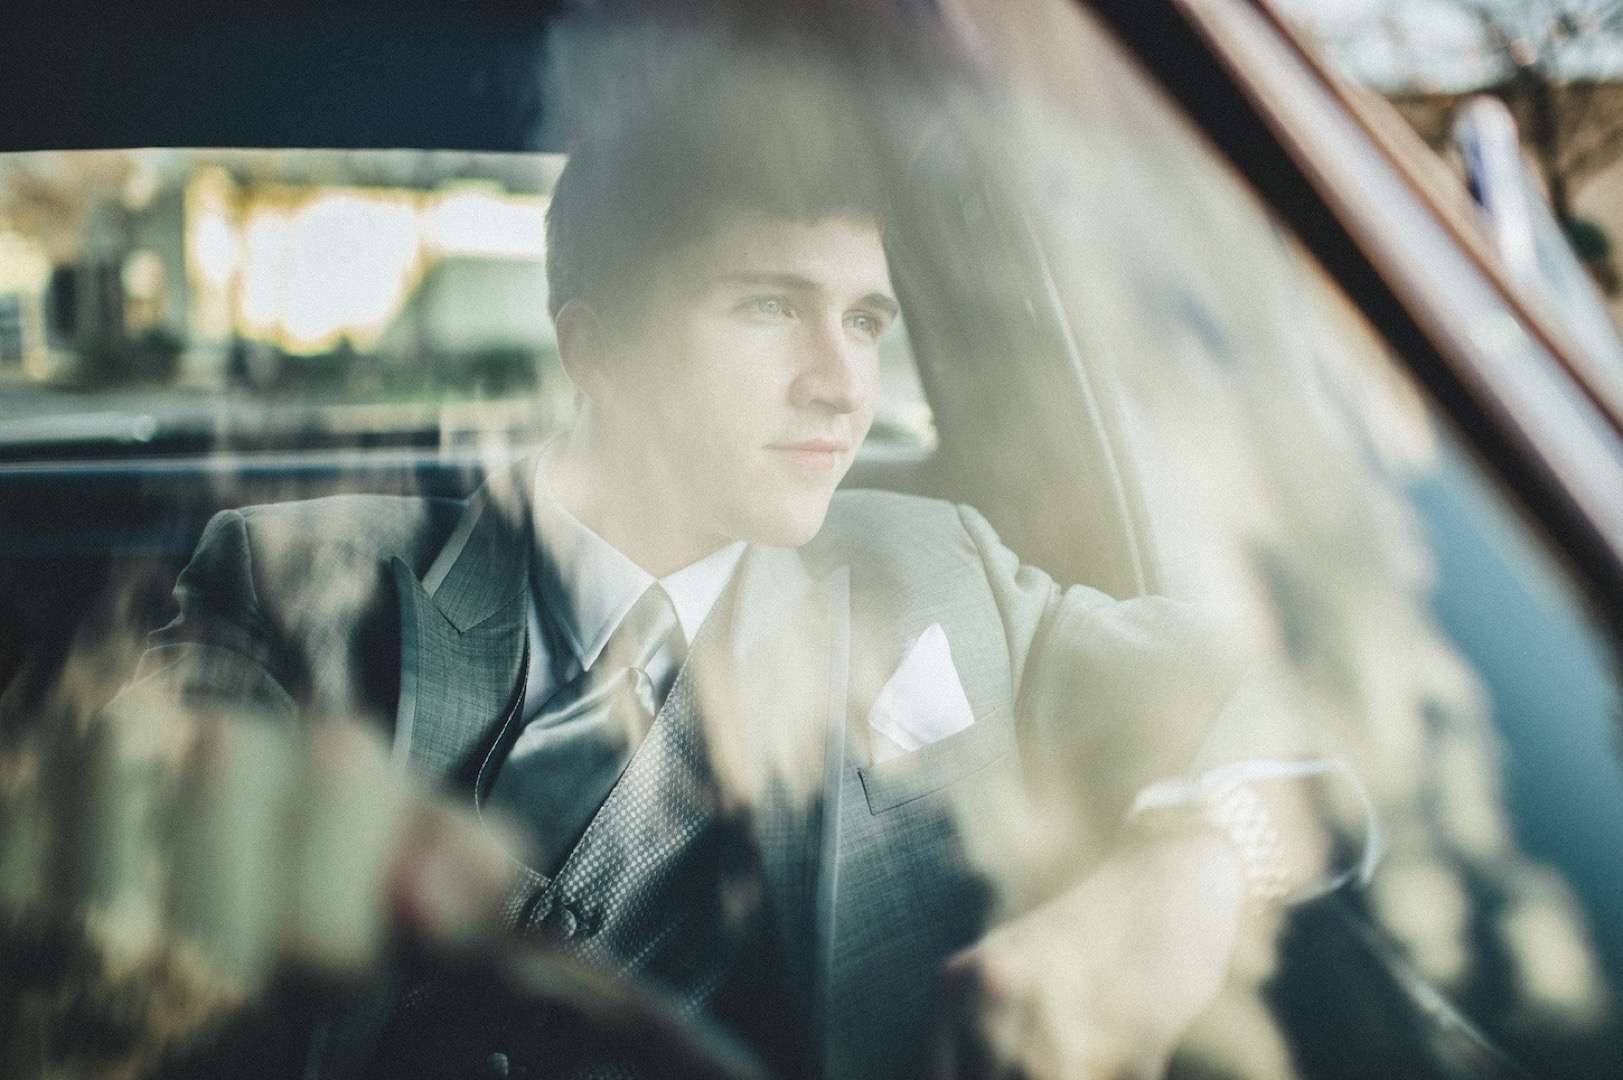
1210 797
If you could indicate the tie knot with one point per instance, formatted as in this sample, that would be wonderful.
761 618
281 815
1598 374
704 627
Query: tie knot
649 626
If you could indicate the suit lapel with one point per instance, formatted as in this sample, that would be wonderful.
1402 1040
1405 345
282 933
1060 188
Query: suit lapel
461 645
772 697
462 630
770 688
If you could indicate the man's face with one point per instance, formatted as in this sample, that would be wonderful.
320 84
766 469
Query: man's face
744 387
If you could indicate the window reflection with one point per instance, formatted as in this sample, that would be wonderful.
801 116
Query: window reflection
194 283
1140 380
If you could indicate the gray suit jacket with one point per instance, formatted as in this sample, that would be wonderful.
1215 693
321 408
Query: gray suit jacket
876 872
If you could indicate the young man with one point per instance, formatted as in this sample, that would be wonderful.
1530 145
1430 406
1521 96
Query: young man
778 744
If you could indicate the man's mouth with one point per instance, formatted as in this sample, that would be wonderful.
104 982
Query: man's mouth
813 454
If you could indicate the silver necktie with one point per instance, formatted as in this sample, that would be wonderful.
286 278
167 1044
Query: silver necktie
567 759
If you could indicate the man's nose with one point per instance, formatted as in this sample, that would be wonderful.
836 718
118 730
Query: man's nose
835 371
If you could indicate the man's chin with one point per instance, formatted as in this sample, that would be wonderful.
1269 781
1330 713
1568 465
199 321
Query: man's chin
793 526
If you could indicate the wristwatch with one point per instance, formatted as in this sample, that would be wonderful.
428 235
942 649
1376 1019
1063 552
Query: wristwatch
1232 809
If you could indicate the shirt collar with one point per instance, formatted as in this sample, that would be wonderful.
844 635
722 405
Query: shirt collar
695 588
598 584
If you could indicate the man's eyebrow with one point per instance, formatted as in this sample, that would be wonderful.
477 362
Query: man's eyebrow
884 303
798 283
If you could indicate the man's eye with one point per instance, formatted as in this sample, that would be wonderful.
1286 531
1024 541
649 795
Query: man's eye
865 324
771 306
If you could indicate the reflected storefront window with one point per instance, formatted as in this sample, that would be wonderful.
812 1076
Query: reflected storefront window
258 294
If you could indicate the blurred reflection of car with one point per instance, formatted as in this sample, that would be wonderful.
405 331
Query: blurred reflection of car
1183 314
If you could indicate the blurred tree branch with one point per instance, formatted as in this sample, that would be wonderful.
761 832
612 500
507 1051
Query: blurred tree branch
1556 64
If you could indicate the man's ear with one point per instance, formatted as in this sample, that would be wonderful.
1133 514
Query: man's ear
583 343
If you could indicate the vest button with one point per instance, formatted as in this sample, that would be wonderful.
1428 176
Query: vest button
495 1067
561 921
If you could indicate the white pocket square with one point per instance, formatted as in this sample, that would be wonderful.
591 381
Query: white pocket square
922 703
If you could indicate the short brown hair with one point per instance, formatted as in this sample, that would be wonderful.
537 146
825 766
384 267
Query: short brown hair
760 137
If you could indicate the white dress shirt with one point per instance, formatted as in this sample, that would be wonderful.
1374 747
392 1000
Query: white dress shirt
592 586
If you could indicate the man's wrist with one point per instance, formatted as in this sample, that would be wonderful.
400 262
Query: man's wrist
1273 813
1233 815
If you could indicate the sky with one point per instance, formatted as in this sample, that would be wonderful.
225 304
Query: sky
1427 43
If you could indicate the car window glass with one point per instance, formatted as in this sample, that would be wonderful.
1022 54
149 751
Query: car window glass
1295 484
1190 532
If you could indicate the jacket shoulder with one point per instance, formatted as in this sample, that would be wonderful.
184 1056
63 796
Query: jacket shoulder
346 527
300 592
868 524
278 564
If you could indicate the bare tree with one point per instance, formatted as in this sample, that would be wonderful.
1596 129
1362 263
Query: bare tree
1539 47
1556 63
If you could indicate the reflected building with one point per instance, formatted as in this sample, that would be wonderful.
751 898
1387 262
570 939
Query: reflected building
205 269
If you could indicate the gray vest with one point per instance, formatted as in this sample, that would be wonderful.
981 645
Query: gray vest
642 892
660 889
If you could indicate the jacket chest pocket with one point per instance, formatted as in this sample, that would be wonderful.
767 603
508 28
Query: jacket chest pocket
900 780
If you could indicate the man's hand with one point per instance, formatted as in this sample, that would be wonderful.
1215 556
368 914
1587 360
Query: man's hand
1102 980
